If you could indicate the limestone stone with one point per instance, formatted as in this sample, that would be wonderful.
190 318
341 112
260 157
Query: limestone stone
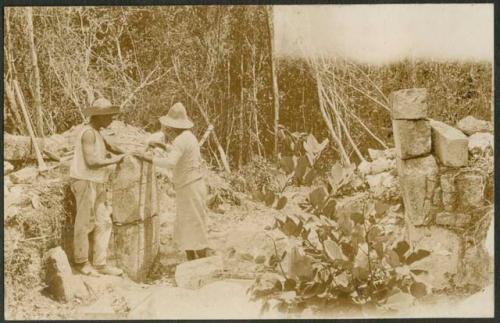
418 181
135 247
24 176
61 282
453 219
470 125
445 248
196 273
470 189
409 104
448 191
7 168
480 142
450 145
412 138
19 147
134 190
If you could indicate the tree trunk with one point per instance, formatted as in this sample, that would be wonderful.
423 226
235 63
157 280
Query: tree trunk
240 154
34 61
275 79
9 92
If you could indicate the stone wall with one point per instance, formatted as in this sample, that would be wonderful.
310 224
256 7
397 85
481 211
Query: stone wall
443 178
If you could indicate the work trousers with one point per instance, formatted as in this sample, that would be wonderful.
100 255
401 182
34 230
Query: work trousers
93 216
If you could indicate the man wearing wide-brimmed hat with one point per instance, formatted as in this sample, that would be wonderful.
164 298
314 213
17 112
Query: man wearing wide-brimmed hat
89 174
184 158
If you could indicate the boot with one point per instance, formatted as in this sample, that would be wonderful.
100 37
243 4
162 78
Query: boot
109 270
86 269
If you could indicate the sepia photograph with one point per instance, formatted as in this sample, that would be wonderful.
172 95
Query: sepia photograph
248 161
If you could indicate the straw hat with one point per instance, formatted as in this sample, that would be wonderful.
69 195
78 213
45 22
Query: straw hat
177 117
101 107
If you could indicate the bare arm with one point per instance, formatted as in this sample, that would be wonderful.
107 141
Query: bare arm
113 148
90 156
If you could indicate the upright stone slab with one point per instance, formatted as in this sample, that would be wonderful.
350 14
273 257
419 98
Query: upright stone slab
418 181
409 104
134 191
136 224
450 145
412 138
136 247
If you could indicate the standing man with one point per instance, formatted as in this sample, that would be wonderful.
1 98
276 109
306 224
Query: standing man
89 173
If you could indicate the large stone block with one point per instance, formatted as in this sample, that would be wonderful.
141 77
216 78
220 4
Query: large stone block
445 248
418 182
470 125
470 189
481 143
136 247
450 145
134 190
453 219
409 104
61 283
412 138
197 273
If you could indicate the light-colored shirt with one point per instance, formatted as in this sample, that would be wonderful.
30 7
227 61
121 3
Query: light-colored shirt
79 168
184 158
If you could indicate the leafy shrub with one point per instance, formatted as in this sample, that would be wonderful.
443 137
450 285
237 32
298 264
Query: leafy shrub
354 261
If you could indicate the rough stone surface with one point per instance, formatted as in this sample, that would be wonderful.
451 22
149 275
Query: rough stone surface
448 191
412 138
7 168
453 219
418 181
480 142
195 274
136 247
61 282
134 191
24 176
19 147
470 125
380 183
450 145
409 104
470 189
444 246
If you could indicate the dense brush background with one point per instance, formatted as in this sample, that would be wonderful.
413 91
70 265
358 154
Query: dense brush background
212 57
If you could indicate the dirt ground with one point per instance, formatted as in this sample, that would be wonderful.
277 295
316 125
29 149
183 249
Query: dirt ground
239 237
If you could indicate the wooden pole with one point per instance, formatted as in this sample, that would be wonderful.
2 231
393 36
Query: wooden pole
34 61
39 158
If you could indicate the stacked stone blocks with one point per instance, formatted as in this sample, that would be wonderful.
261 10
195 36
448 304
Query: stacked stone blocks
432 157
